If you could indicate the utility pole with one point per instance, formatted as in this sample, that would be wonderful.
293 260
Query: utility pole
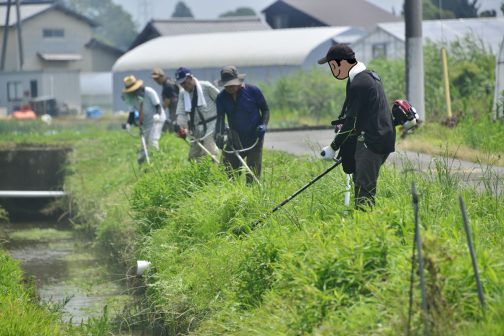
414 55
19 36
5 36
144 12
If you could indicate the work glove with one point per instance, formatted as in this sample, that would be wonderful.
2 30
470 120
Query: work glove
260 130
220 140
328 153
182 133
156 117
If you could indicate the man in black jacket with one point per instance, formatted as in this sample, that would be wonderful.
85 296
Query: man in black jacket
365 132
169 94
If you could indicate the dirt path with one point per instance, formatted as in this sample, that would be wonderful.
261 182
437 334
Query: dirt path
310 142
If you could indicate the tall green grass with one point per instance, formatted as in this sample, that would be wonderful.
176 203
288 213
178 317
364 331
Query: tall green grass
20 312
311 269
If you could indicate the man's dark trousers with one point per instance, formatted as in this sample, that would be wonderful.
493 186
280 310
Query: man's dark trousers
253 159
365 177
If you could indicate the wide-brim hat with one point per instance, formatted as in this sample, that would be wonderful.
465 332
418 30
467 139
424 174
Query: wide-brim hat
230 76
131 84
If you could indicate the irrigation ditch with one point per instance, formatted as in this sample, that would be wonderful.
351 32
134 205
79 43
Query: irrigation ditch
62 262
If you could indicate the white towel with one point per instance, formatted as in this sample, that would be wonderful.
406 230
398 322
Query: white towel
356 69
188 100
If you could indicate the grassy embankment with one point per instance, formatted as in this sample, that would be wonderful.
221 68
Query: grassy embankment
309 269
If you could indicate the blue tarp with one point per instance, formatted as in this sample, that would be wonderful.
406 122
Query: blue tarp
93 112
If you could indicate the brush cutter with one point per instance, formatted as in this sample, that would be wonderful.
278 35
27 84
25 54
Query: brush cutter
191 139
144 147
182 133
142 140
245 228
237 152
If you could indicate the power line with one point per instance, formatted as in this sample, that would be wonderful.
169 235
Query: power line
144 12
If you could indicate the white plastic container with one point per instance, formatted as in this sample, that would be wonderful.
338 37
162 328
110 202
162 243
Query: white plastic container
142 266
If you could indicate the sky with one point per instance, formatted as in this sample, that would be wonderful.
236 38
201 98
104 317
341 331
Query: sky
144 10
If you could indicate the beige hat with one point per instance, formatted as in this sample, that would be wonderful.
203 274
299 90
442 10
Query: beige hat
157 72
230 76
131 84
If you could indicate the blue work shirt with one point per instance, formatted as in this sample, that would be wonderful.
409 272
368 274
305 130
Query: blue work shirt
244 114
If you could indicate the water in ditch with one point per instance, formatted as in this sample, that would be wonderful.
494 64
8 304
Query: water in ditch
65 270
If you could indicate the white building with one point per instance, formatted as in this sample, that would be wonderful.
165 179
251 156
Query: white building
262 55
388 39
59 52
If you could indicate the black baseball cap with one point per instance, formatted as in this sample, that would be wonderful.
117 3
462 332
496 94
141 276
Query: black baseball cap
338 51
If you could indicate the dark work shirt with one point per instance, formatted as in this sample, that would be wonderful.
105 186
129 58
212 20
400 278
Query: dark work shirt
243 115
170 90
367 110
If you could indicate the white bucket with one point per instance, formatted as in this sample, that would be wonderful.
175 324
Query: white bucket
142 266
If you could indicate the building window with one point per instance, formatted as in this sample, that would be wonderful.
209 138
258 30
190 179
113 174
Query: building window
53 32
14 91
280 21
34 88
380 50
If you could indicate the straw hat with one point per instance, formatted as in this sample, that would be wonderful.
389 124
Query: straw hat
131 84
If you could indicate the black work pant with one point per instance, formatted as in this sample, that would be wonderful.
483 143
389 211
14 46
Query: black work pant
365 177
171 117
253 159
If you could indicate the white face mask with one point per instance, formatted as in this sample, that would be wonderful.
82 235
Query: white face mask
132 99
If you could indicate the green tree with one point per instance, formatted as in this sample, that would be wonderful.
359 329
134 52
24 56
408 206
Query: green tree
460 8
116 26
182 11
450 9
240 11
488 13
433 12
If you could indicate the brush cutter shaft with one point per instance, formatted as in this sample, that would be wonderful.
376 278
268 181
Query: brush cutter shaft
244 228
144 147
206 151
334 165
192 139
244 164
237 152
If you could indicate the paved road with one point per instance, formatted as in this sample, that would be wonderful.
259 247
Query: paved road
310 143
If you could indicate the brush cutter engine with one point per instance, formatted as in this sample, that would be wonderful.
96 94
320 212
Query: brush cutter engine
404 115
